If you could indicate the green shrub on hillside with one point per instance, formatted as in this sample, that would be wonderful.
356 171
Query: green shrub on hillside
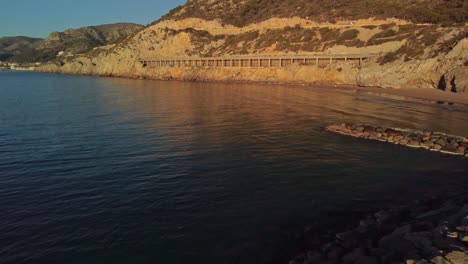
382 37
329 34
348 35
297 39
370 27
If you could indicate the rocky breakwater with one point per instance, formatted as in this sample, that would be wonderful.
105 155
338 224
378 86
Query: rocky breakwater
431 231
433 141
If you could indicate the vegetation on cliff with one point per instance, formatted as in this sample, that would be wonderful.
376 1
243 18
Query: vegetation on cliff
241 13
298 39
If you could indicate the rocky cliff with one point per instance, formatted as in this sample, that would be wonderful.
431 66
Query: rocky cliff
410 54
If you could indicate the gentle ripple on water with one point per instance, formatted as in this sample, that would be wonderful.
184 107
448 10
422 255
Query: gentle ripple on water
100 170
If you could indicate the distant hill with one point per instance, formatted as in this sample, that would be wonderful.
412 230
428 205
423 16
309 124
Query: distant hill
15 46
243 12
75 41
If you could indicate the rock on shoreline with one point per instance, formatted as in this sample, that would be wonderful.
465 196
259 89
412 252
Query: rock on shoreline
433 231
430 231
433 141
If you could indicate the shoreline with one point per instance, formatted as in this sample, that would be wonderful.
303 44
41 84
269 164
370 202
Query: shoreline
404 94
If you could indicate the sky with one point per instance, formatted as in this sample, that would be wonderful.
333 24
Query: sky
38 18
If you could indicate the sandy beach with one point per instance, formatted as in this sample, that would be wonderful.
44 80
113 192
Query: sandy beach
423 94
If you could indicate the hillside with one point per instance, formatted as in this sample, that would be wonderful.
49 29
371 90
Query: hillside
14 46
244 12
75 41
407 54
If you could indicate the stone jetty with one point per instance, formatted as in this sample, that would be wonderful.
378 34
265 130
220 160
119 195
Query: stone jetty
433 141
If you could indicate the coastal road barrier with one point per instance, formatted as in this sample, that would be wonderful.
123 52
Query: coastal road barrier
255 61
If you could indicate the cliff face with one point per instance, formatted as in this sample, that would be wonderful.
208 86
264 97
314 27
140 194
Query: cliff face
410 55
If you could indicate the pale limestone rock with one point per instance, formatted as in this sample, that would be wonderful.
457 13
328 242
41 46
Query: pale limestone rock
158 41
457 257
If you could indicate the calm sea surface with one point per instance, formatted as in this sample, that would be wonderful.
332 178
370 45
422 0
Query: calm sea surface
101 170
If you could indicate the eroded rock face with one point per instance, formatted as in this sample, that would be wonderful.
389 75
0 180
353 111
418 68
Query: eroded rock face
425 73
178 39
433 141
